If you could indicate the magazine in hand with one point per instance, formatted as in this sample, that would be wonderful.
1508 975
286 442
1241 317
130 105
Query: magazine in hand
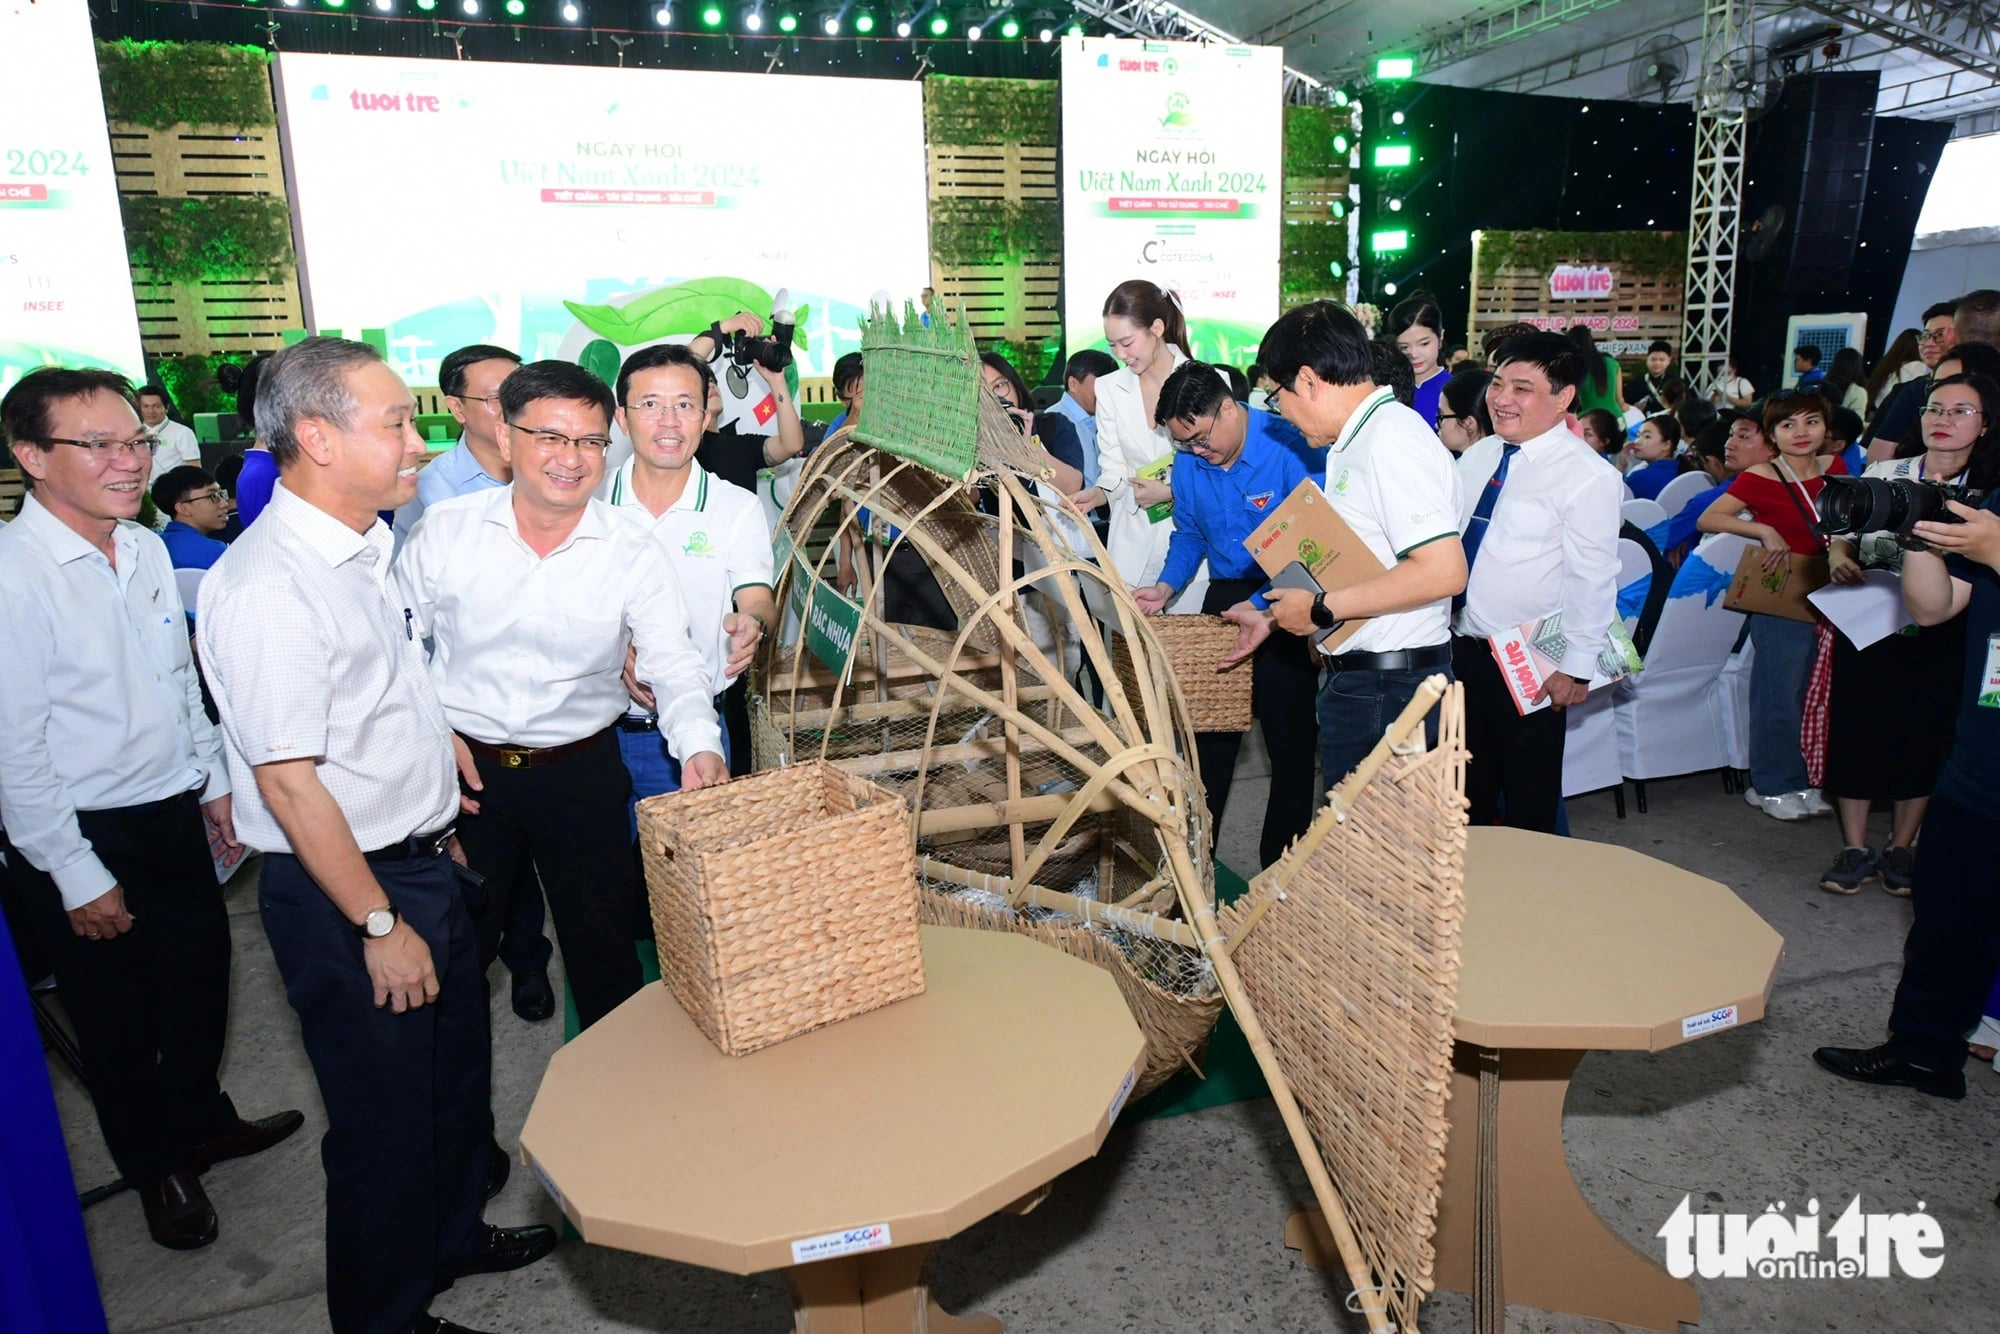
1529 652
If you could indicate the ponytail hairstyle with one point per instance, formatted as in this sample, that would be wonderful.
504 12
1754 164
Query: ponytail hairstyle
1418 308
1593 360
1142 303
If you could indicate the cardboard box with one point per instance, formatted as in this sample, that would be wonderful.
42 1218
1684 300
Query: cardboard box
1306 528
1776 592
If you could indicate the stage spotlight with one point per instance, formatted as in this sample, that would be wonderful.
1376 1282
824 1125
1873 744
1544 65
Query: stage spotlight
384 5
753 20
831 25
1010 29
336 4
516 8
972 33
1336 269
663 16
1392 155
902 27
571 13
1395 206
1340 144
427 5
471 8
291 4
1338 208
711 17
1391 68
940 25
1395 118
1076 30
864 24
1389 241
1340 97
788 23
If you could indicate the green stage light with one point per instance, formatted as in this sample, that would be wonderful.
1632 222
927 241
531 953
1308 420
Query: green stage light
336 4
1389 242
517 7
1336 269
1389 68
940 25
427 5
1392 155
1076 30
1338 208
711 17
1340 144
1010 29
864 23
788 22
1340 97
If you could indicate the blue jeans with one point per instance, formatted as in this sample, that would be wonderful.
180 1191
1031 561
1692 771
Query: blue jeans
1778 702
1356 707
653 770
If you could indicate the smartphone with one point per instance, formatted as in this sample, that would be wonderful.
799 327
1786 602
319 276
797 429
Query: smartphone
1296 575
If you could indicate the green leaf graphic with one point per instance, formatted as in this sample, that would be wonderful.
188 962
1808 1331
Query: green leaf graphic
682 308
601 359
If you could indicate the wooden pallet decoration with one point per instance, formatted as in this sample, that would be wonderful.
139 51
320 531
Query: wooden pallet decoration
992 171
192 161
199 318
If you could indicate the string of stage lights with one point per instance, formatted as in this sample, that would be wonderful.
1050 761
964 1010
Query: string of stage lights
711 17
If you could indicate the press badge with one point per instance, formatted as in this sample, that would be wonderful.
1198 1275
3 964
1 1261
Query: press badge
1989 687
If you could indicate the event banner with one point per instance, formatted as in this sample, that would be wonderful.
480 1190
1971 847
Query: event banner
575 212
65 288
1173 158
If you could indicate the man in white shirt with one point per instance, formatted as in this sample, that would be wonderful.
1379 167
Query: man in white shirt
343 765
1541 535
111 786
1391 479
174 444
713 533
530 595
469 378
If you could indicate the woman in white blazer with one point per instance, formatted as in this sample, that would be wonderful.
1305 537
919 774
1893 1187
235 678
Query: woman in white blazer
1147 332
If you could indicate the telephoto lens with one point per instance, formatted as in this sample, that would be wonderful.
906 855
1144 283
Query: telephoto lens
1852 506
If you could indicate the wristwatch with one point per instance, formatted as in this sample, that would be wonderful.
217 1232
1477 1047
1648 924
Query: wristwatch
1322 615
378 923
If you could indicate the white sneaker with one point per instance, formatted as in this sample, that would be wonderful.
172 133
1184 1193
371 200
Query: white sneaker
1815 803
1788 806
1751 798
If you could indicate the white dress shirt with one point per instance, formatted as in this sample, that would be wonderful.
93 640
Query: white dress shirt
1393 481
101 708
1551 543
715 539
529 650
309 655
177 446
1127 440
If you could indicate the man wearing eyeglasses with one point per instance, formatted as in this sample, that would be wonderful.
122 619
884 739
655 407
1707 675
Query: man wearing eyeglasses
1234 465
469 379
530 595
1898 417
197 508
112 781
713 532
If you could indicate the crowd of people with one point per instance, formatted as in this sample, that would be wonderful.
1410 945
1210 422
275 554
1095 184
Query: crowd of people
430 690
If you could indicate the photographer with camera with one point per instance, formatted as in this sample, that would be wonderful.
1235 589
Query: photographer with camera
1953 948
1780 496
1895 755
760 425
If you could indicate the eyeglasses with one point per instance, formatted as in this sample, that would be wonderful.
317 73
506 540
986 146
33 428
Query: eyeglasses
554 442
661 407
218 495
1958 410
1932 335
1195 442
490 400
103 451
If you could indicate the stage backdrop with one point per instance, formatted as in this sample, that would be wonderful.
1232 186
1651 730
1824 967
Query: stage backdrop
1172 171
578 213
65 293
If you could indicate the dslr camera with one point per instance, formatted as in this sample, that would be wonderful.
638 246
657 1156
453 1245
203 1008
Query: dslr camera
773 351
1852 506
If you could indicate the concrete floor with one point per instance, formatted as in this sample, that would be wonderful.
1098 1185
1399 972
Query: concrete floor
1177 1224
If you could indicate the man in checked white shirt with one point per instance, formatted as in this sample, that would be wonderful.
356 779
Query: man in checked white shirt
343 771
530 594
1541 535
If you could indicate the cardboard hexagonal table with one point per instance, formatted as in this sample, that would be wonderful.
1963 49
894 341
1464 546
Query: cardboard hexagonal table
845 1155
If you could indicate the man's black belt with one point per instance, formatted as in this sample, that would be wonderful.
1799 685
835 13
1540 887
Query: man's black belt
415 848
1398 660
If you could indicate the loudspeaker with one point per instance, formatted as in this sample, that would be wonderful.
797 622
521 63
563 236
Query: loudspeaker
1813 157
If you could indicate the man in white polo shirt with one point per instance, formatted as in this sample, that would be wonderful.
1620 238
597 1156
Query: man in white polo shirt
1391 479
713 531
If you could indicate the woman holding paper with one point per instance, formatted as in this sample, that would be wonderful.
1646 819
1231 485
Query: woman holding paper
1780 496
1147 331
1880 754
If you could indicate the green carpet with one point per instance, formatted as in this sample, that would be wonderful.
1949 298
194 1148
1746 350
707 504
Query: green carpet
1232 1073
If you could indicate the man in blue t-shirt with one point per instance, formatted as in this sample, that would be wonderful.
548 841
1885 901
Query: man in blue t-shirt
1953 950
1236 464
193 503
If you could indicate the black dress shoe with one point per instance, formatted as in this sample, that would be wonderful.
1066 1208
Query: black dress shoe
504 1248
247 1137
498 1165
1882 1065
534 998
178 1213
431 1324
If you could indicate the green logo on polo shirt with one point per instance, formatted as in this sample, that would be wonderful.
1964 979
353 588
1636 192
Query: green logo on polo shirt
1340 482
698 545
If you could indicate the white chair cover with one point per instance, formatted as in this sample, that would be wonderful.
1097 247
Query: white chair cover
1675 495
1590 745
1734 688
1671 717
189 582
1633 562
1642 514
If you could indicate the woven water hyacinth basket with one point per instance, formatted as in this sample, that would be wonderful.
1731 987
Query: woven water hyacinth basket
781 902
1190 646
1031 807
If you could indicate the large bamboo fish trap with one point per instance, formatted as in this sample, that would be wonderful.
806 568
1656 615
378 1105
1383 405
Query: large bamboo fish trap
1033 809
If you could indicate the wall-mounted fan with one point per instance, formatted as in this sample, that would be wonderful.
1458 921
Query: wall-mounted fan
1658 69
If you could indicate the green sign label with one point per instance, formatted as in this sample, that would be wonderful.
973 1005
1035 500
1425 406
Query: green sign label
832 623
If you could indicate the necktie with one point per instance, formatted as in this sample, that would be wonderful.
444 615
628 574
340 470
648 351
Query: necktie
1482 515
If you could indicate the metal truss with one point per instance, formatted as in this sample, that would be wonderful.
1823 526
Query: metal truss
1162 21
1964 33
1449 44
1716 201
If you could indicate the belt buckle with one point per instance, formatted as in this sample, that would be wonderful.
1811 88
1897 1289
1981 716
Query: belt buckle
514 757
433 846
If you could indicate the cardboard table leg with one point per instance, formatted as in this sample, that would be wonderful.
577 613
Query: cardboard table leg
1556 1254
883 1292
